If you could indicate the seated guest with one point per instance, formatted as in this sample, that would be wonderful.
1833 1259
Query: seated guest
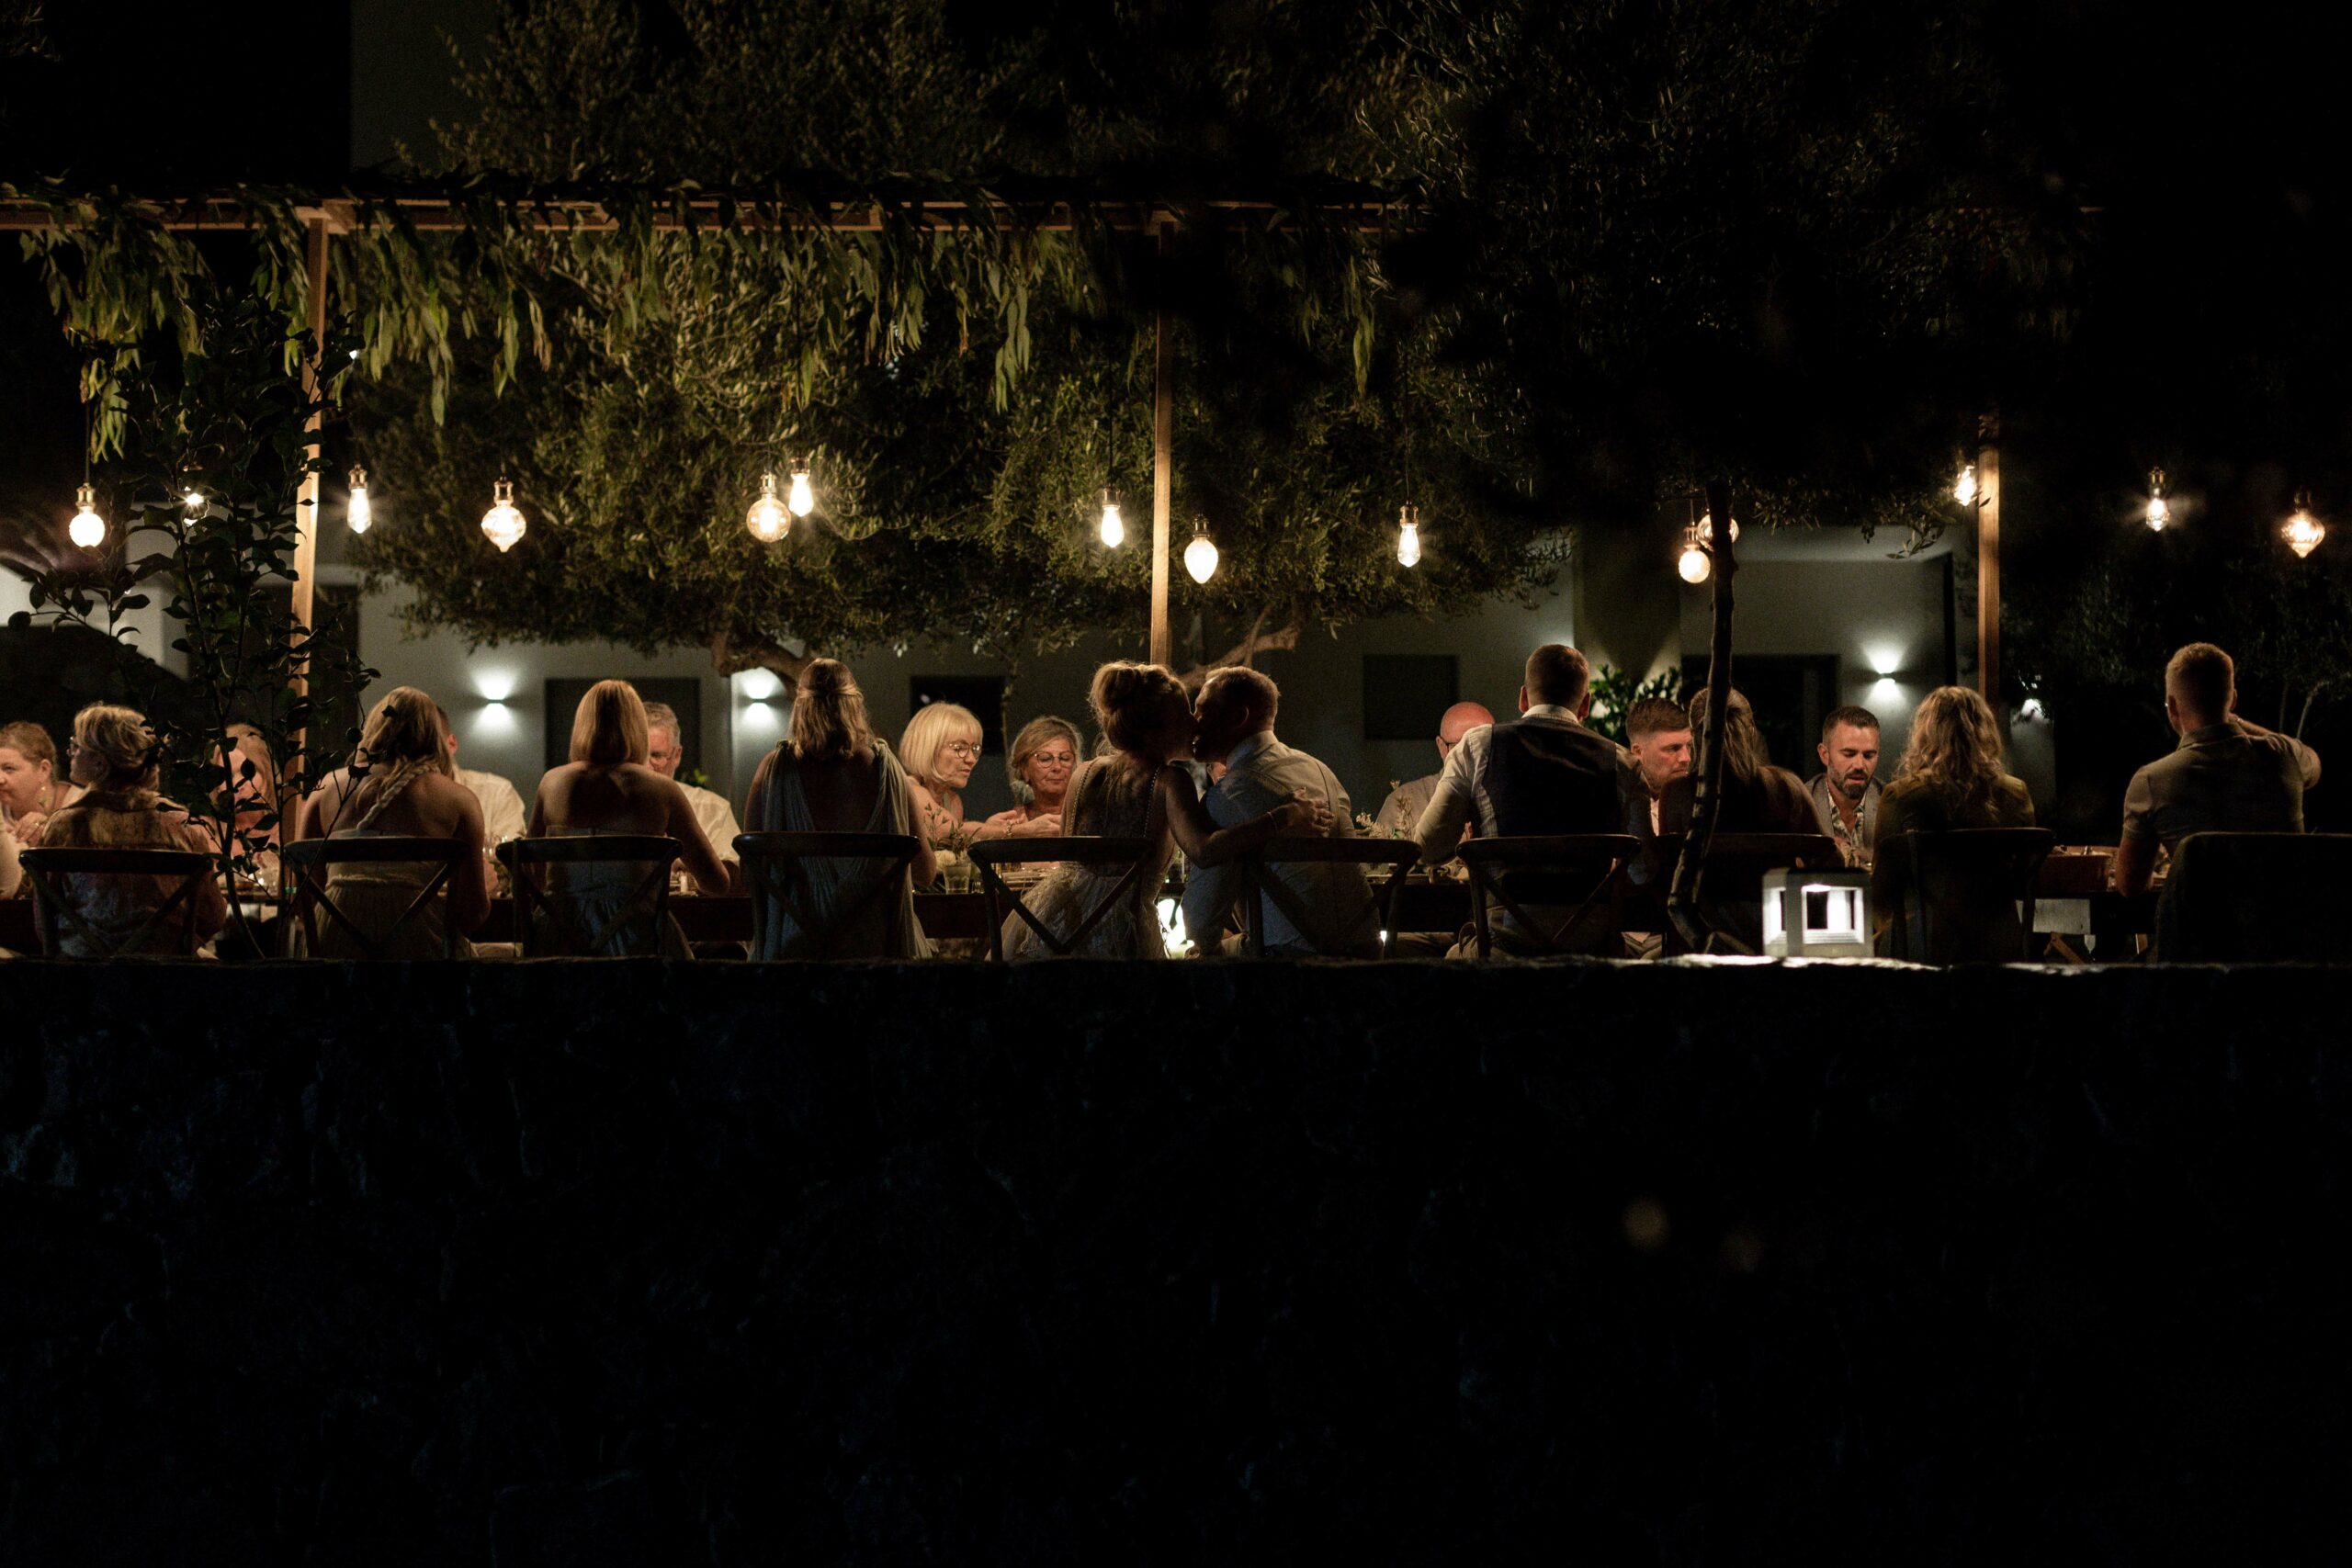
939 750
832 774
400 785
2228 774
608 787
1312 908
256 772
1758 797
1044 756
29 786
114 759
1846 792
666 752
502 802
1952 776
1401 812
1542 774
1139 790
11 870
1658 733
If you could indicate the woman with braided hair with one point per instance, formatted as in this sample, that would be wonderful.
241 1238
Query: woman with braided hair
403 785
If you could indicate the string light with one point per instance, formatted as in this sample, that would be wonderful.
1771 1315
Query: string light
2159 509
1695 563
1199 556
1963 490
1115 528
87 529
502 523
1707 526
802 499
361 511
1408 536
192 502
2303 532
768 519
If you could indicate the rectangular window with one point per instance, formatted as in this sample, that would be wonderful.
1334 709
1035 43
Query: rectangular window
1405 694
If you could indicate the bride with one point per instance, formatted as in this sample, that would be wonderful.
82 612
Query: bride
1136 792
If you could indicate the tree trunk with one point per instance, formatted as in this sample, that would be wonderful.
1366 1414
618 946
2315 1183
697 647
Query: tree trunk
1283 638
730 658
1682 899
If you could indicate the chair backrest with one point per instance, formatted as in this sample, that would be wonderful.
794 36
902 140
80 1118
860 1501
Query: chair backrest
1133 854
772 865
1731 885
307 859
1961 890
2255 898
548 924
1260 888
1568 862
55 911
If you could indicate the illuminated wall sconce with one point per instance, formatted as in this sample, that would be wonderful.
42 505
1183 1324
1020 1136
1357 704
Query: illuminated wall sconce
759 685
496 686
1817 914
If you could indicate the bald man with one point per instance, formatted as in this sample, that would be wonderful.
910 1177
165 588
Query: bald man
1402 810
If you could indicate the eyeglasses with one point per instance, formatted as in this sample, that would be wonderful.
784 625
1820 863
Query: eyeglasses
1053 758
964 749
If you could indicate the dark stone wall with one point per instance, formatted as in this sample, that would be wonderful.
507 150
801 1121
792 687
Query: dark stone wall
565 1263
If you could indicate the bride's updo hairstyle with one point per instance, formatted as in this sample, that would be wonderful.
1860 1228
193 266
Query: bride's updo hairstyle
829 712
1131 700
405 727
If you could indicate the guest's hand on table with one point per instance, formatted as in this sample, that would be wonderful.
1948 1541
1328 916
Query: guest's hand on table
1046 826
28 829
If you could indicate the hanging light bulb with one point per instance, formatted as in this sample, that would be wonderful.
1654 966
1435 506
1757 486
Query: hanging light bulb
502 523
1199 556
2303 532
361 511
193 503
1963 490
802 499
1408 536
1115 528
1695 563
2159 509
768 519
1707 526
87 529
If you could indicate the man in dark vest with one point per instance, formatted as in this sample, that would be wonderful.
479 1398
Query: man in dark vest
1542 773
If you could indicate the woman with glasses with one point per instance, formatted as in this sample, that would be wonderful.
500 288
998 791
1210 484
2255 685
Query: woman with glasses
940 749
1042 757
29 786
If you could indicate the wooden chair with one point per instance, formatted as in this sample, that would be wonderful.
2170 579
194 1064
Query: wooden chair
1133 854
1261 887
1550 869
2255 899
771 866
54 911
548 924
1731 885
307 861
1965 896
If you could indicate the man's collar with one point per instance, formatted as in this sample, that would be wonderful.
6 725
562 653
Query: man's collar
2207 733
1247 747
1551 710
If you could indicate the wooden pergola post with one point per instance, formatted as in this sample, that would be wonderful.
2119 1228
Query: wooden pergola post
1163 448
1988 559
306 510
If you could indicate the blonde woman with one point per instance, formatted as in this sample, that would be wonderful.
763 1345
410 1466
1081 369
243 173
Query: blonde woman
940 749
608 786
1040 764
399 787
29 785
1953 774
114 758
832 774
256 770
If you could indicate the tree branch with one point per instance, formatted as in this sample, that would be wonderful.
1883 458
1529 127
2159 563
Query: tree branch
1282 640
730 658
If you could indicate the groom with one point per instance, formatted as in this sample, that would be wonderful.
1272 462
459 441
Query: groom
1312 908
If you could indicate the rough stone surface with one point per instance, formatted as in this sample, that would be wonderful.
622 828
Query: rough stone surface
636 1263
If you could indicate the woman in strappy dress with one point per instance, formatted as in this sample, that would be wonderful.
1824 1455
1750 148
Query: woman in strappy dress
402 787
832 774
608 787
1138 791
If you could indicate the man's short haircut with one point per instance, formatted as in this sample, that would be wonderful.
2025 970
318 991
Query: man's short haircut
1557 675
661 716
1263 697
1855 717
2201 677
1655 716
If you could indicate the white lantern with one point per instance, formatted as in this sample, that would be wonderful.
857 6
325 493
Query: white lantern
768 519
502 523
1408 536
1963 490
1817 914
1199 556
2303 532
802 499
1695 562
1707 526
87 529
194 503
2159 509
361 511
1114 527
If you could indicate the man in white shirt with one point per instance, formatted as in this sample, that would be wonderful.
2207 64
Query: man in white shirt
503 816
715 817
1401 812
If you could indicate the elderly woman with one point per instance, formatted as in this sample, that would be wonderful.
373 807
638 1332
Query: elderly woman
1044 756
29 786
940 749
115 759
402 786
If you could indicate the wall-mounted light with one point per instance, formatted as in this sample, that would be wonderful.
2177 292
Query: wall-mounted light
494 685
